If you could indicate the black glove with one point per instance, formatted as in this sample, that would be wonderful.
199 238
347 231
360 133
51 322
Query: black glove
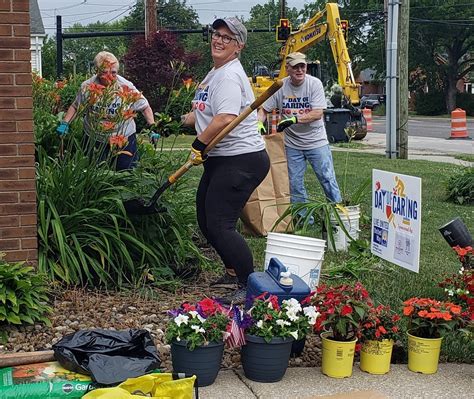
197 148
286 123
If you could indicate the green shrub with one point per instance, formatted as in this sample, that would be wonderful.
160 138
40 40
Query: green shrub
23 294
461 187
85 234
465 101
432 103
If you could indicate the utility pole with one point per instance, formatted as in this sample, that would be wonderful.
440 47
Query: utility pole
282 9
150 18
392 79
402 120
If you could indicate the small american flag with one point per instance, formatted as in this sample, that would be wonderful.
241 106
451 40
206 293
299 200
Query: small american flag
236 337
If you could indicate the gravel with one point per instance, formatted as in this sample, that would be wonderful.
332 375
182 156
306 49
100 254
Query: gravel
78 309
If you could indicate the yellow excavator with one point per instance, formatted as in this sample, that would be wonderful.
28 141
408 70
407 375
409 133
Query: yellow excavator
325 24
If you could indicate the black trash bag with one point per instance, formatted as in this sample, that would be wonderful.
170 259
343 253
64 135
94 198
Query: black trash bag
108 356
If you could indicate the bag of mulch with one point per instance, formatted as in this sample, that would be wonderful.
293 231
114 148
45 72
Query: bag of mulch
42 381
109 357
158 386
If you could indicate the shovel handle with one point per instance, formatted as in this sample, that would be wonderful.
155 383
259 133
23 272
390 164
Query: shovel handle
224 132
246 112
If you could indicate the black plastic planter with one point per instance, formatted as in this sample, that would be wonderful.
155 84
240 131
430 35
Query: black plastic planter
203 362
455 233
297 347
265 362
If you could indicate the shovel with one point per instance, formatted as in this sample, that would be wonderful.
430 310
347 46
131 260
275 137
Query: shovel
140 207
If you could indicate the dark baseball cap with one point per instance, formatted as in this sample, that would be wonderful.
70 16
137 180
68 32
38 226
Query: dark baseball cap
235 26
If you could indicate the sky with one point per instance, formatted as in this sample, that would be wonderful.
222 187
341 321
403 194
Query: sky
88 11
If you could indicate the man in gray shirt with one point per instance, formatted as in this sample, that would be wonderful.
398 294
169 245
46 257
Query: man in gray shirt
301 102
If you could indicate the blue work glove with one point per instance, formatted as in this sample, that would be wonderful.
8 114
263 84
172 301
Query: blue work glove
197 148
62 129
154 137
286 123
261 127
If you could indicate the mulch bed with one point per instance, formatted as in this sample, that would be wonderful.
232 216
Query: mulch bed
78 309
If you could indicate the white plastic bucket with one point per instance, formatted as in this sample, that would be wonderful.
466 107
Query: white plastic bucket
303 256
350 219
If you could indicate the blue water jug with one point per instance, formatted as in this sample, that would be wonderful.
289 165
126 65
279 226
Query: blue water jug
269 281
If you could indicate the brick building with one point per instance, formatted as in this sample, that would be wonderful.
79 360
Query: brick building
18 232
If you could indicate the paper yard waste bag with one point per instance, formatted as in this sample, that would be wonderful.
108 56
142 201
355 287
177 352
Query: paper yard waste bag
158 386
272 197
42 381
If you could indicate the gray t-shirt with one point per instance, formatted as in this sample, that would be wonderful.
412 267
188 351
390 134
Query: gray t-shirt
298 100
128 127
226 90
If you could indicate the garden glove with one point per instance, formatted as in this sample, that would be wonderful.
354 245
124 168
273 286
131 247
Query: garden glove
197 148
62 129
261 127
154 137
286 123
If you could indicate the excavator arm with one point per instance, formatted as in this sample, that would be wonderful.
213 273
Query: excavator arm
315 30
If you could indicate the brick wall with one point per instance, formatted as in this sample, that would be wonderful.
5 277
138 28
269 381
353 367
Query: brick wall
18 233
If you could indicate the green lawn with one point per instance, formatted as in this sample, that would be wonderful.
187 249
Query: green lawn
465 157
390 284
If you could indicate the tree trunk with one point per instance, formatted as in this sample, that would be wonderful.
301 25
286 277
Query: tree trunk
451 91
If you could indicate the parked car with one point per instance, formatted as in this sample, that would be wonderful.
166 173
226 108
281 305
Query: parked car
372 101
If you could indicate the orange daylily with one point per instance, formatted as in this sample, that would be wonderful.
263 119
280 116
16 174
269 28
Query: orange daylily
187 83
118 140
108 125
129 95
127 114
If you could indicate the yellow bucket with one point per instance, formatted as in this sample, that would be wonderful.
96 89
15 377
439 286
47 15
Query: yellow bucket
375 356
423 354
337 357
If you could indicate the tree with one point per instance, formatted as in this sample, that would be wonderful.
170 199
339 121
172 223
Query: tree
262 48
442 43
157 66
171 14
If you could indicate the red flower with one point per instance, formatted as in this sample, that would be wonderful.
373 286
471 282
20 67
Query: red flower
187 307
346 309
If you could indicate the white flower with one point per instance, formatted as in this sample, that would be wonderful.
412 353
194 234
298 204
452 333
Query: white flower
180 319
195 314
283 323
292 304
294 334
292 315
450 292
198 329
260 323
461 270
178 339
270 306
311 313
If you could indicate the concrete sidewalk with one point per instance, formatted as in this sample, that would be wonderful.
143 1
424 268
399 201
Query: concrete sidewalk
451 381
425 148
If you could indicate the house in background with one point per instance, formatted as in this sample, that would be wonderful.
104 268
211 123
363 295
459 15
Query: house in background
368 82
37 35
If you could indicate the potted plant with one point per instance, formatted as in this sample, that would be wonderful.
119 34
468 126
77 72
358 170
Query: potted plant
270 330
429 321
379 330
342 310
197 334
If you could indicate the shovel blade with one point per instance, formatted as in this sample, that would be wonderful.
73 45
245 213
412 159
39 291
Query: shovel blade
139 206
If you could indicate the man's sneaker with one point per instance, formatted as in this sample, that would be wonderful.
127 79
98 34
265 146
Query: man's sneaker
236 298
226 281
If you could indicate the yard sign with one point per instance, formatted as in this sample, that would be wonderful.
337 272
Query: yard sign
396 218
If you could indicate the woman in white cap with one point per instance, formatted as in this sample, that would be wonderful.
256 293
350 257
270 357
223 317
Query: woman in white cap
238 164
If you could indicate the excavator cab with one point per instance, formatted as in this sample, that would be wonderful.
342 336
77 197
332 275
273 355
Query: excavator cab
314 69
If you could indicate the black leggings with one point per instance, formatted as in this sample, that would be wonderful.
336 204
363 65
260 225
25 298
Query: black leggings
223 191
